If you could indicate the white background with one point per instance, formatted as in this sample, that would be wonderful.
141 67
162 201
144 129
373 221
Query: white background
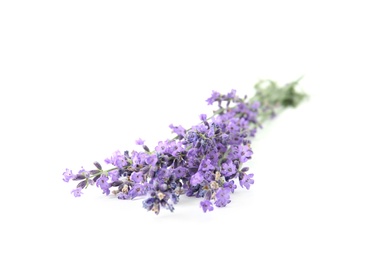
81 79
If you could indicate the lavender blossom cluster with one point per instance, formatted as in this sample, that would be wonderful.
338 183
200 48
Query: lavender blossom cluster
205 161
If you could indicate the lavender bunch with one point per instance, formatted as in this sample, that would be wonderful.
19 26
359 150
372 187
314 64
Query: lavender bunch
205 161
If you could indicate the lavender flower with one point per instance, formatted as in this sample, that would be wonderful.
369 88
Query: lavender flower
245 153
196 179
203 117
137 177
102 182
162 147
206 165
151 159
206 205
77 192
139 142
247 181
228 169
205 161
117 159
222 197
215 96
123 196
68 175
230 186
179 130
180 172
137 190
114 175
231 95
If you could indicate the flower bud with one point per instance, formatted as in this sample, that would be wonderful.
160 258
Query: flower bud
163 187
98 165
94 171
245 169
96 178
208 195
146 148
79 177
82 184
116 183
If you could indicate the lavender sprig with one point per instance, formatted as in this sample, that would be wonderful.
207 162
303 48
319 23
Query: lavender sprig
203 161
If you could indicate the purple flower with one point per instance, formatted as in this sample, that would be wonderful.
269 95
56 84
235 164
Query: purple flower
196 179
200 162
206 165
77 192
232 94
114 175
82 171
230 186
137 190
192 154
203 117
180 172
106 191
228 169
162 147
117 159
164 174
200 128
179 130
192 137
206 205
175 148
211 132
245 153
247 181
255 105
137 158
137 177
102 182
213 157
151 159
233 127
139 142
222 197
68 175
221 148
123 196
214 97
